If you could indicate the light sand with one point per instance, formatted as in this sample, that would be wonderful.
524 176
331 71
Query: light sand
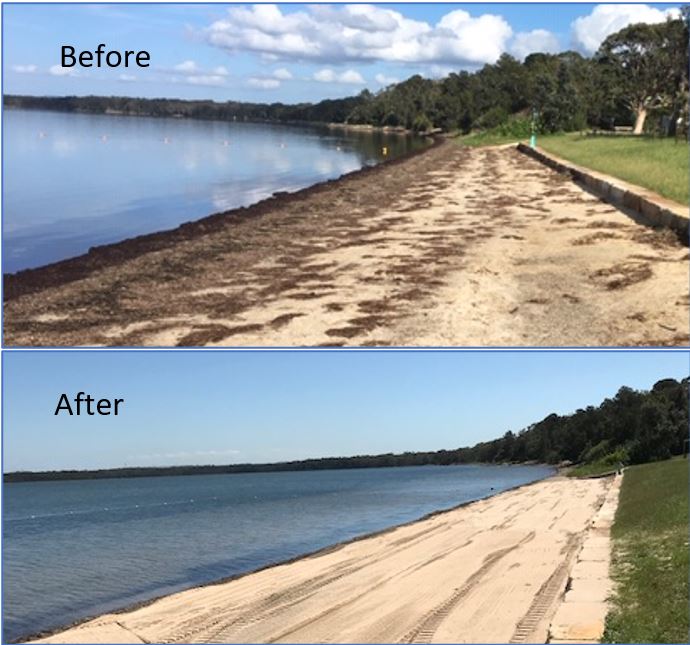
454 247
490 572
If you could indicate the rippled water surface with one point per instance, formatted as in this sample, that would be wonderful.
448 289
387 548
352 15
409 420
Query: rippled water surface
78 548
72 181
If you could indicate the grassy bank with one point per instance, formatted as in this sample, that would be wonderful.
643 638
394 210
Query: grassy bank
650 556
592 470
490 138
660 165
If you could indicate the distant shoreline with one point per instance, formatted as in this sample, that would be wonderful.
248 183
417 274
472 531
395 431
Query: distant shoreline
308 465
330 125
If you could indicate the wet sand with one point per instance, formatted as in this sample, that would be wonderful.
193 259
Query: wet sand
450 247
493 571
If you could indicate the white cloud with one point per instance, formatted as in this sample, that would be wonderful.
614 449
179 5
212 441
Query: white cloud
264 83
272 81
382 79
193 74
187 67
588 32
535 41
211 80
350 77
58 70
283 74
127 78
325 76
25 69
476 40
345 33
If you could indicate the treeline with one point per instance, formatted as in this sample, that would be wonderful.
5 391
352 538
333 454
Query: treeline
638 72
632 427
328 111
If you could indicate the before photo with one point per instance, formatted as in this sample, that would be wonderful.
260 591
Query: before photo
345 175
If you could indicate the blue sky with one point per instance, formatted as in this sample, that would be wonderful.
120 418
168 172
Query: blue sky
222 407
288 52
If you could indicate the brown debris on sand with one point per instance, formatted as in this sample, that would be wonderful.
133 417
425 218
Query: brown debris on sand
449 247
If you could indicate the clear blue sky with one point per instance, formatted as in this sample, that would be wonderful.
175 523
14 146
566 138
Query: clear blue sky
222 407
291 52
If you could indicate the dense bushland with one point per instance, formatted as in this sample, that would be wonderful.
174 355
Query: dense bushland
638 72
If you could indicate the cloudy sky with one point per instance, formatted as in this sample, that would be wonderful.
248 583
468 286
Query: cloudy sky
202 406
289 52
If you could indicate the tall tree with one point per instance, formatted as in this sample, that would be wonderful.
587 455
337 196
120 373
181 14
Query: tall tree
640 57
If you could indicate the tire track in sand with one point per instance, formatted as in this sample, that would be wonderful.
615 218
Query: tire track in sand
212 627
425 629
547 594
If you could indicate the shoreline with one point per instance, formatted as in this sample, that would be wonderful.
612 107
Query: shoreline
447 246
27 281
303 557
335 551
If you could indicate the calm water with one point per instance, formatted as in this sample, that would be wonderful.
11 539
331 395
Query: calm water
73 181
74 549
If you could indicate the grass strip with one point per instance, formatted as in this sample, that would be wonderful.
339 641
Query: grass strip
650 564
661 165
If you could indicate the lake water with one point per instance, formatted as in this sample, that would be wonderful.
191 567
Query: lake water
72 181
78 548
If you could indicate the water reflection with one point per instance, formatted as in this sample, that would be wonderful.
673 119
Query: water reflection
73 181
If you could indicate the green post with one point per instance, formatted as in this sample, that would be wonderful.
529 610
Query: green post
533 138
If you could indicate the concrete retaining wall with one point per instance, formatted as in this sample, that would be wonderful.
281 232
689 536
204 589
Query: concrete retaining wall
581 615
650 208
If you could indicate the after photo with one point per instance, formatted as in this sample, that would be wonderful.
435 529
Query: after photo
345 497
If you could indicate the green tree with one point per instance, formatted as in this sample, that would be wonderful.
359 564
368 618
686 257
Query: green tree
644 62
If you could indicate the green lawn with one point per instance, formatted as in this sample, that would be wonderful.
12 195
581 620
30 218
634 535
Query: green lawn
490 138
590 470
650 556
662 165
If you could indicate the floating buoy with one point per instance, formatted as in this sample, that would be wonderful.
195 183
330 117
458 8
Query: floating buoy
41 135
104 138
384 151
166 140
226 143
282 145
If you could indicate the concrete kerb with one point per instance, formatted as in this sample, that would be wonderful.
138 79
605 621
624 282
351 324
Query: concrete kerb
649 207
581 616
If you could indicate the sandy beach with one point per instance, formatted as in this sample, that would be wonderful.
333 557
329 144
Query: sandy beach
450 247
493 571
